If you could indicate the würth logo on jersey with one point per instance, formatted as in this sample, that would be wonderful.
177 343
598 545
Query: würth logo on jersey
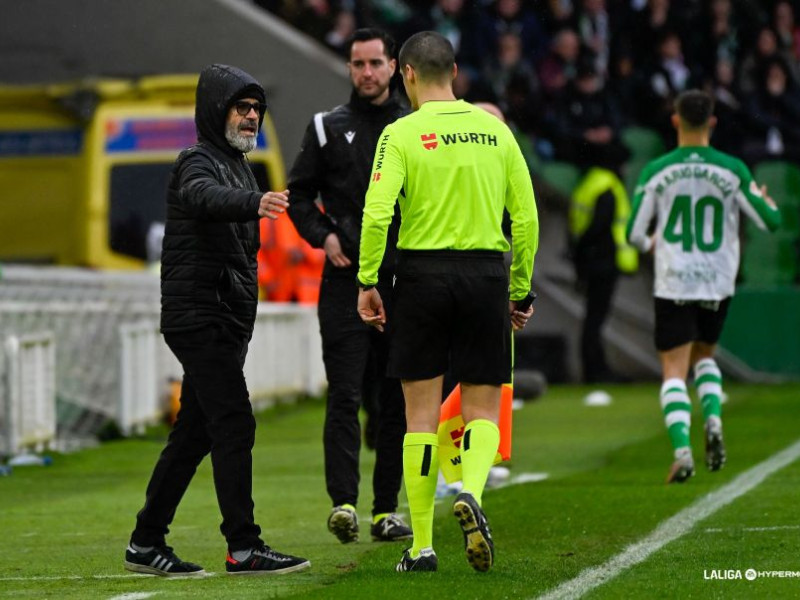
429 141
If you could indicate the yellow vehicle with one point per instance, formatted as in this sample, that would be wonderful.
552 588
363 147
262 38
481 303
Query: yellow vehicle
84 168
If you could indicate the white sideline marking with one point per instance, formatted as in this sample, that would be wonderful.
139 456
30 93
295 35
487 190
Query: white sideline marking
673 528
773 528
134 596
529 478
89 577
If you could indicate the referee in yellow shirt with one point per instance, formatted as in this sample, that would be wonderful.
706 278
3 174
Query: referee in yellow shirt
453 168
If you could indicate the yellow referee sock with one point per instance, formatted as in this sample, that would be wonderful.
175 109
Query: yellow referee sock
478 449
420 473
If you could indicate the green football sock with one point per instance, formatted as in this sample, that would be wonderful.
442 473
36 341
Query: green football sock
677 408
478 450
420 473
708 381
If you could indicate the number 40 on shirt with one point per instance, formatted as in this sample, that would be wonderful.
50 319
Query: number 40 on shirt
687 226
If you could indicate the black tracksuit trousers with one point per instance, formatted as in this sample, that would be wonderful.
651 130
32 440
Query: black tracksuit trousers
347 346
216 417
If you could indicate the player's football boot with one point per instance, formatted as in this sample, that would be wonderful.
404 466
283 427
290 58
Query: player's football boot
715 447
478 543
343 523
390 528
682 468
426 561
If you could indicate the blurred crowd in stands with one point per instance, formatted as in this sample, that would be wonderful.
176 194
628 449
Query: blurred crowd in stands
570 75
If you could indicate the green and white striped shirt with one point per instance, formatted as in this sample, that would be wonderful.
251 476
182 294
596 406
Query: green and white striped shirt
696 194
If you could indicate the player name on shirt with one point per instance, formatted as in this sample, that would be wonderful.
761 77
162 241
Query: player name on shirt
713 175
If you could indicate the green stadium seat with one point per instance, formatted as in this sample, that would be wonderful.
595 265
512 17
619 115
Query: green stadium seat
644 143
782 180
631 171
774 258
770 259
528 150
563 176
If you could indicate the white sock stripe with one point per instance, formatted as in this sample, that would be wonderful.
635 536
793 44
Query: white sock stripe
707 366
709 388
675 397
678 416
673 383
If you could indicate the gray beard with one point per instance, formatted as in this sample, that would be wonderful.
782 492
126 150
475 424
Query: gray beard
238 141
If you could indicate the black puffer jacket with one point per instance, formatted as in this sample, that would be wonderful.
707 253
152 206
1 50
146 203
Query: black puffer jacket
335 161
208 262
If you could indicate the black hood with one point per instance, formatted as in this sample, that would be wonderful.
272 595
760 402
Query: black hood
218 88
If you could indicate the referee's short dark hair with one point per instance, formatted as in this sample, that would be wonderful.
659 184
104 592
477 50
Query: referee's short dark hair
366 34
695 108
430 54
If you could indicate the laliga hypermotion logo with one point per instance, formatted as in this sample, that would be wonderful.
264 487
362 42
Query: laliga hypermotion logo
429 141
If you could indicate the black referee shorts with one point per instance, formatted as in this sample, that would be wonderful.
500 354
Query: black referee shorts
451 312
679 322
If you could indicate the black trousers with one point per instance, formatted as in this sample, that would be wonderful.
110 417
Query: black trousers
599 291
348 346
216 417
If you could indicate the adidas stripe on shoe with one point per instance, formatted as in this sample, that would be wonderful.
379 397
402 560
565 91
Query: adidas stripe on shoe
160 561
390 528
265 561
426 561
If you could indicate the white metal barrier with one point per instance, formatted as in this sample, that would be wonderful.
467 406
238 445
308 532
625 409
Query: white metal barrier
139 402
284 358
285 354
29 391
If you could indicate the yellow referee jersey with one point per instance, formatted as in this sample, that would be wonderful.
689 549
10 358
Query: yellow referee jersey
453 167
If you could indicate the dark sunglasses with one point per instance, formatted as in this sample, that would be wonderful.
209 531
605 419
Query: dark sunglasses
243 108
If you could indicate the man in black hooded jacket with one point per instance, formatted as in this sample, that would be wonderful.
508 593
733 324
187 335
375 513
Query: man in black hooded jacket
335 162
209 294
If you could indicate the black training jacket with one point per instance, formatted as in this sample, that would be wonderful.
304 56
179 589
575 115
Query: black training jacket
335 161
208 261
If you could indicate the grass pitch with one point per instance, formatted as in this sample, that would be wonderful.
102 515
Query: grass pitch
64 527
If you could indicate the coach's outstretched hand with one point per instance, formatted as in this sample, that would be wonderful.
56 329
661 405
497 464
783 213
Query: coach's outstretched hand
370 308
273 204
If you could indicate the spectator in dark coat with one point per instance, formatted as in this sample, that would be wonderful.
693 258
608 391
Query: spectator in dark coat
587 123
774 117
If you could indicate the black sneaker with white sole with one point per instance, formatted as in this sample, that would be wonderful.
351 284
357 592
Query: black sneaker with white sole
426 561
162 561
390 528
265 561
478 543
